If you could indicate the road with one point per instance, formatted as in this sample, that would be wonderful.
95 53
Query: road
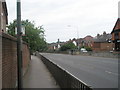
97 72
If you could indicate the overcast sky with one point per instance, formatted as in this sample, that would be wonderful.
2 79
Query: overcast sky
67 19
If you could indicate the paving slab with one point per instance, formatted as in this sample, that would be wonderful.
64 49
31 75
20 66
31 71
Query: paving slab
38 75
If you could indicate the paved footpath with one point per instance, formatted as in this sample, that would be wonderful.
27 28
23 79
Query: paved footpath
38 76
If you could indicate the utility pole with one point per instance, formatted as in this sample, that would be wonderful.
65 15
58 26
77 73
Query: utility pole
19 46
78 38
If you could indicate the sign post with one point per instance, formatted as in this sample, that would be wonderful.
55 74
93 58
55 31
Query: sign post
19 46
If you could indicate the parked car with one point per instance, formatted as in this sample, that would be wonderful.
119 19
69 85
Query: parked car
83 50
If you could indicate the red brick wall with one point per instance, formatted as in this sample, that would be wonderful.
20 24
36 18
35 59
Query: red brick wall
107 46
9 60
113 36
103 46
0 62
26 57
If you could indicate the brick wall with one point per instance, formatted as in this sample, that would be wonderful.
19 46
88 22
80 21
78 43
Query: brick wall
0 16
26 57
96 46
103 46
9 60
113 36
0 62
107 46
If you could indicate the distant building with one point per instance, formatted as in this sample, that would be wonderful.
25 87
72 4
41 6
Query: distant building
55 46
80 42
116 35
3 16
103 42
88 41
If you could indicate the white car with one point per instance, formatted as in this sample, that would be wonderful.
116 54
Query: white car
83 50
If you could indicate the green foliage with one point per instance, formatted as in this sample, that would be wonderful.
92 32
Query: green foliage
11 28
68 46
34 36
88 48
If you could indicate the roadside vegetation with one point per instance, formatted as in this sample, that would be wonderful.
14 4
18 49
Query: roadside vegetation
68 46
34 36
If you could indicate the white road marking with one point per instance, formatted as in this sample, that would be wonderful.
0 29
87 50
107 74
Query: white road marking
111 73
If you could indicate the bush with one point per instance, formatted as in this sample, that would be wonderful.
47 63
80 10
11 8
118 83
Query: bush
88 48
68 46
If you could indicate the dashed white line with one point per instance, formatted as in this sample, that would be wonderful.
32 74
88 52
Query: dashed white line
111 73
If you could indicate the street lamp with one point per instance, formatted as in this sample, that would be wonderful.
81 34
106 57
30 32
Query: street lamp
19 46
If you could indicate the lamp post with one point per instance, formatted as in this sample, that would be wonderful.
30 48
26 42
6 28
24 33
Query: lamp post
19 46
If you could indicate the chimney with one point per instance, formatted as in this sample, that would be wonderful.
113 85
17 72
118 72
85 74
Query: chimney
58 40
104 33
98 35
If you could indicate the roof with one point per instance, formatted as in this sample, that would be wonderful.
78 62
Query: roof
102 38
88 38
55 44
117 26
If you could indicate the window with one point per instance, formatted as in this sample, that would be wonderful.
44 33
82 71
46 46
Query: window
116 35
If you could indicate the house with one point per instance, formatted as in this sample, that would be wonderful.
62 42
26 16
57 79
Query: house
52 46
103 42
88 41
80 42
3 16
116 35
55 46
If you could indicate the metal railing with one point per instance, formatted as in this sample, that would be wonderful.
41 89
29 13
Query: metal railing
63 77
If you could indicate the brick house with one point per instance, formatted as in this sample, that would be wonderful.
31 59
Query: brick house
103 42
80 42
116 35
88 41
3 16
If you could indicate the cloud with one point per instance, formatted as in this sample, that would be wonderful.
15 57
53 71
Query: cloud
90 16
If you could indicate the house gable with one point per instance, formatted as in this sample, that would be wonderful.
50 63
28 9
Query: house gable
117 26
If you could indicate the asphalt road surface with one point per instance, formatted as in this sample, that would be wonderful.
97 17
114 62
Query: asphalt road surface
97 72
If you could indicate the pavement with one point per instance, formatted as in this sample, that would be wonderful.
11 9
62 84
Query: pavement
97 72
38 75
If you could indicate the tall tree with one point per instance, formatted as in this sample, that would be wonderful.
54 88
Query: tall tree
34 36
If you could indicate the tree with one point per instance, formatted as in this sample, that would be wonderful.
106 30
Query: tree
88 48
34 35
68 46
